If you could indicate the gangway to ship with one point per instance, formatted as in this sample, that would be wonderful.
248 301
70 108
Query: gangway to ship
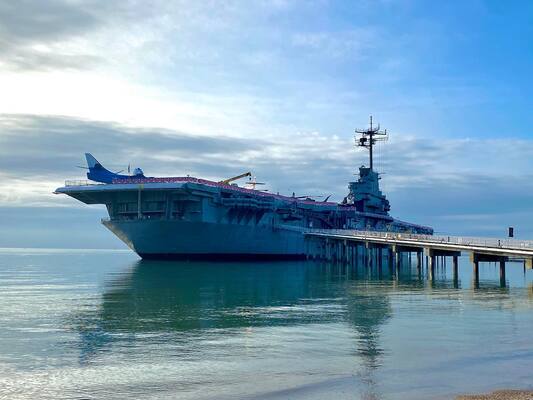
345 245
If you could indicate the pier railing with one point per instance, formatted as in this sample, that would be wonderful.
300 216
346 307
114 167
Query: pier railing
456 240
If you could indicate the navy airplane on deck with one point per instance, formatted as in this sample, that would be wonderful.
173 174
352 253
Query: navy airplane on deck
98 173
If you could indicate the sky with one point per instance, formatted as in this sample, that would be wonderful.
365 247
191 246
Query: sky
216 88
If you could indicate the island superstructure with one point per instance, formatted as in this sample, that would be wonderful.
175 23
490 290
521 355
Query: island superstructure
187 217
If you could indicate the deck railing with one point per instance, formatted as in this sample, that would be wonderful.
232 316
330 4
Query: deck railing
82 183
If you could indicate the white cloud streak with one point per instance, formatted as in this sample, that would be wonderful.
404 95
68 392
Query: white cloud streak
45 149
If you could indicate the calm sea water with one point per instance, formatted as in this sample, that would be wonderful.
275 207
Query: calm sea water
104 325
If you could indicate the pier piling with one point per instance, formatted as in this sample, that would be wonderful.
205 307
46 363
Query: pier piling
475 275
455 272
502 273
349 246
431 267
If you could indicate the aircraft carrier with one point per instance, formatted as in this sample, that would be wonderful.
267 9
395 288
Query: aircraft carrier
187 217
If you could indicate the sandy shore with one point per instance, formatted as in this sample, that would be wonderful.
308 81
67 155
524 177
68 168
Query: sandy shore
500 395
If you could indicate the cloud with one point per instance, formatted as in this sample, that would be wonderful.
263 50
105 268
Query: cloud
27 20
41 59
49 147
30 32
60 34
231 66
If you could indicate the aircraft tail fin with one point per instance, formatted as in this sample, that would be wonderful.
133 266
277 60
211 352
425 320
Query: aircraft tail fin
97 172
92 162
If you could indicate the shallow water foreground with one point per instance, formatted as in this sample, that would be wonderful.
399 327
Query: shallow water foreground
103 325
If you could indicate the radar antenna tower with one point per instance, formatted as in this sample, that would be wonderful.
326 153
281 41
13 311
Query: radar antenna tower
369 137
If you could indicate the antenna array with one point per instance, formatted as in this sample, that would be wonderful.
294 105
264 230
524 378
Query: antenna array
369 137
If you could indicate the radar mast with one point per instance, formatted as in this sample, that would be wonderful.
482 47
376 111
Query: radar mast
369 137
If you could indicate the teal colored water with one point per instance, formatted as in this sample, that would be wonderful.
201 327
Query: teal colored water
104 325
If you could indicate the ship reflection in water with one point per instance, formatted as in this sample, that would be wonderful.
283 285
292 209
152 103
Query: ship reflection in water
279 330
192 303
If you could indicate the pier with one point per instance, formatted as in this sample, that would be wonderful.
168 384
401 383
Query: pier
351 245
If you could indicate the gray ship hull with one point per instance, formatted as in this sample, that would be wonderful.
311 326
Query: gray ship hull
176 239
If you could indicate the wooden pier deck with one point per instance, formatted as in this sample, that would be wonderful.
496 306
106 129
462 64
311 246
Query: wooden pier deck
347 245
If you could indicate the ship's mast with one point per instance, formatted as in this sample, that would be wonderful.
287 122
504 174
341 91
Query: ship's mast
368 139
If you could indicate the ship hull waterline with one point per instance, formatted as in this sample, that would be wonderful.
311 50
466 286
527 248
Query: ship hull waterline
184 240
